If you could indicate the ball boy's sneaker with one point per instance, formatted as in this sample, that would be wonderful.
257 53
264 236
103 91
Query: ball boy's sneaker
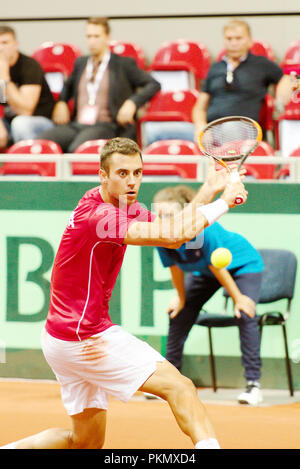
252 395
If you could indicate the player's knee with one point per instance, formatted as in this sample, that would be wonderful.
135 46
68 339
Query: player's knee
181 386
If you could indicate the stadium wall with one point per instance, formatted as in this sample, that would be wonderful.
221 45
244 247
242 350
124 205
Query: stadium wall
33 218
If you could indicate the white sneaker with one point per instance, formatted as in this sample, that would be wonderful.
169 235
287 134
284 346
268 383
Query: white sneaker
252 395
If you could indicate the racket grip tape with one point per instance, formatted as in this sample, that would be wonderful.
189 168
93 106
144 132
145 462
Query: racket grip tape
234 177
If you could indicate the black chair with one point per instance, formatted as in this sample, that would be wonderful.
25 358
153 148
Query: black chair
279 277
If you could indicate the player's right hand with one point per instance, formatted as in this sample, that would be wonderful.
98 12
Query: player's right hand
232 191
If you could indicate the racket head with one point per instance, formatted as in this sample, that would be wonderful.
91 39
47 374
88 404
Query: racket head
230 139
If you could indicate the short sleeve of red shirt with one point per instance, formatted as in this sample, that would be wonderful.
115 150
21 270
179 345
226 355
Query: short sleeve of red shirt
109 223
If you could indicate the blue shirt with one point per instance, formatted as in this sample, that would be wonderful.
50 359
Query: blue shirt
195 255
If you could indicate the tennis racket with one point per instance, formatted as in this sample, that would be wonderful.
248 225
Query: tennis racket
231 140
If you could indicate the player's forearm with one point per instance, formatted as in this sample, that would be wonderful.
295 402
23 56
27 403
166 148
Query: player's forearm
225 279
172 233
195 217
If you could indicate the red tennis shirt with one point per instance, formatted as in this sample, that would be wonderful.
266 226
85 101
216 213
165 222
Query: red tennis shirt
86 266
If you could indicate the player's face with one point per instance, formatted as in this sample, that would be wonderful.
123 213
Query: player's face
123 182
8 46
237 42
97 39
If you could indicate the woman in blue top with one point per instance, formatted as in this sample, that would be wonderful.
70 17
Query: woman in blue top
196 280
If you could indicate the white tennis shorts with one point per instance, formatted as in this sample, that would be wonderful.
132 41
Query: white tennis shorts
122 365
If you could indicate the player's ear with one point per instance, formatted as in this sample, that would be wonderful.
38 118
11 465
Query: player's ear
103 175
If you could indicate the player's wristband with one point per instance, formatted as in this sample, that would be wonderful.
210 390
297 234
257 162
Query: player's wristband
214 210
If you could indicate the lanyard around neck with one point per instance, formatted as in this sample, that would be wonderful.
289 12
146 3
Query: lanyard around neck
93 86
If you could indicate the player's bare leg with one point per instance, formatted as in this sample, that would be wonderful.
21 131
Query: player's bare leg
180 393
88 432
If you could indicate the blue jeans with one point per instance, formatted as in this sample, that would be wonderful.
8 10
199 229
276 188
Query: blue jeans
29 127
198 291
154 131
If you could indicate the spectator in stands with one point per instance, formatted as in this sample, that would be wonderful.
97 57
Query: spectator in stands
107 90
24 92
236 85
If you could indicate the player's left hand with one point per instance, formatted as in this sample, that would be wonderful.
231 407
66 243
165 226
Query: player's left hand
217 179
245 304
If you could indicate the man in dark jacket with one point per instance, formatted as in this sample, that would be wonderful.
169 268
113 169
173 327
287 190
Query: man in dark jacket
107 90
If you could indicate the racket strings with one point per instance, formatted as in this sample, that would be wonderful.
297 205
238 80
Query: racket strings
230 140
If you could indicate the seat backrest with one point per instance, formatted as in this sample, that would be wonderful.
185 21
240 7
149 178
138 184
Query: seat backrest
172 147
295 152
91 146
291 60
280 267
57 57
34 147
260 47
172 105
279 275
193 54
264 171
129 49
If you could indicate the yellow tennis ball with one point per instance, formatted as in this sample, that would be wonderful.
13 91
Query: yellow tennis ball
221 258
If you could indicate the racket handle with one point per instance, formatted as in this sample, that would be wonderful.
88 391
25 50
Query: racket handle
234 177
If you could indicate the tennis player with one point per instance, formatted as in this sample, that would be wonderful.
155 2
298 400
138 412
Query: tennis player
91 357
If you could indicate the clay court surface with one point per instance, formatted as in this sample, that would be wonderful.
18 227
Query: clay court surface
28 407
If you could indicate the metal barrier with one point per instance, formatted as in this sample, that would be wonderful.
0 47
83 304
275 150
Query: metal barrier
64 167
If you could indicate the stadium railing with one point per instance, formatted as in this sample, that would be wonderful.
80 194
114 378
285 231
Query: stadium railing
64 166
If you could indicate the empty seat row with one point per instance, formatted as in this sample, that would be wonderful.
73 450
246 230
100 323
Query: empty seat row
171 148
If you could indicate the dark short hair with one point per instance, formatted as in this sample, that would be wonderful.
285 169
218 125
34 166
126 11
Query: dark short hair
122 145
100 21
4 29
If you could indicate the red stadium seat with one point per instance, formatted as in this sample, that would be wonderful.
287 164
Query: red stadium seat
258 48
192 57
32 147
169 106
259 171
266 114
284 172
129 49
291 60
92 147
287 140
262 171
172 148
57 61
